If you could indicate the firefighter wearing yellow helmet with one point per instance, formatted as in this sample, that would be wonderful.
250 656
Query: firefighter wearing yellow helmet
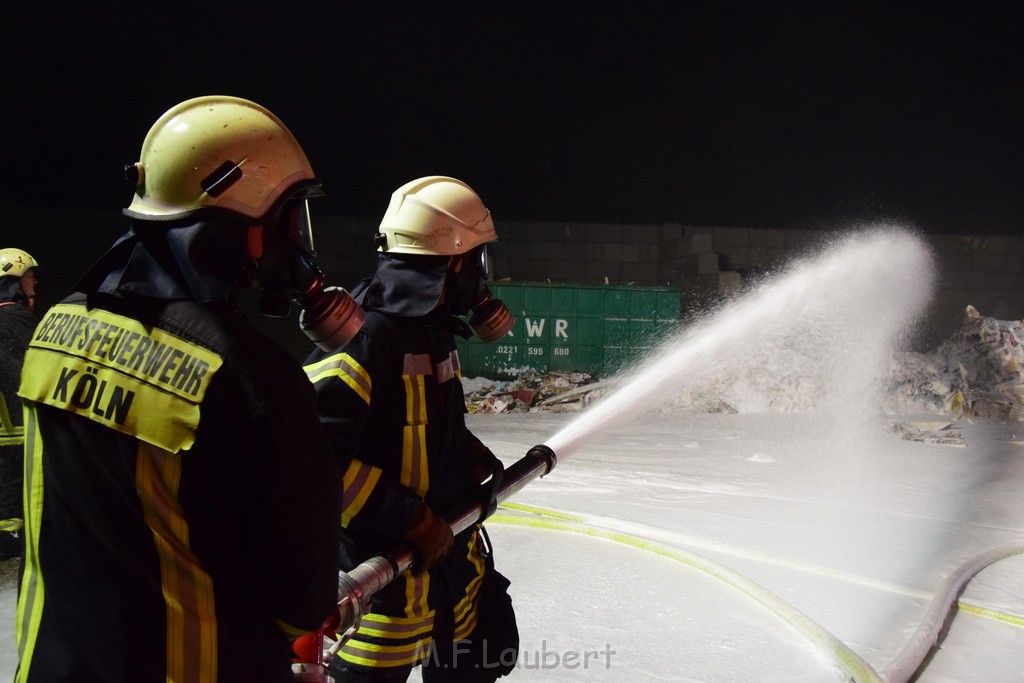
17 320
182 515
393 405
18 281
442 216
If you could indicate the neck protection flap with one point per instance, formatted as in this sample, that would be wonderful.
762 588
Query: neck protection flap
9 288
201 262
405 285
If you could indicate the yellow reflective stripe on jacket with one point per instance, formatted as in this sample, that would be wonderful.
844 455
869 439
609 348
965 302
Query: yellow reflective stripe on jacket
417 588
454 355
187 588
410 641
114 370
372 655
465 613
390 641
292 633
395 628
32 594
358 483
345 368
414 474
6 424
10 434
15 439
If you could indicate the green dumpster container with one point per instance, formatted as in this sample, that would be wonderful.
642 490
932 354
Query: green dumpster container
597 329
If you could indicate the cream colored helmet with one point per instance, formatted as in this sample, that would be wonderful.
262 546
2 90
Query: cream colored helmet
435 215
15 262
221 153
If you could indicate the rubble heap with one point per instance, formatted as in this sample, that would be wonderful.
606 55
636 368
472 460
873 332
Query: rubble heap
554 391
977 372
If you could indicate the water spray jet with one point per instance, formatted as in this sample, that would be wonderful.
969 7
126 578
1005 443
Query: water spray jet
881 278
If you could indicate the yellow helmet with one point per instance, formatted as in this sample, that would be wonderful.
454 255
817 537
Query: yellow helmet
221 153
15 262
435 215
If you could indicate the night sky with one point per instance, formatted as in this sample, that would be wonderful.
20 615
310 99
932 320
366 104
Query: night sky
804 114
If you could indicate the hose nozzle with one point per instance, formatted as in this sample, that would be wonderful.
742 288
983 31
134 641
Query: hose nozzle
543 452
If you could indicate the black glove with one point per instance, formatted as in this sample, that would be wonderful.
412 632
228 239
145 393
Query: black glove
481 465
481 462
430 537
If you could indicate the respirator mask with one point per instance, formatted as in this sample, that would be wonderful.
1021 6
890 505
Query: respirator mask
467 291
286 273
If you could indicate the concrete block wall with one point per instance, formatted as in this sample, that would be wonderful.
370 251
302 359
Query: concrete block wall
346 251
706 263
582 253
986 272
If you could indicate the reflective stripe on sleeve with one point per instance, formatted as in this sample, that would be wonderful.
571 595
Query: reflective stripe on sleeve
10 434
357 484
345 368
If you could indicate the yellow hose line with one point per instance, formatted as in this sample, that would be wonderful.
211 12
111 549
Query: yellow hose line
695 544
991 613
845 659
928 634
971 608
568 516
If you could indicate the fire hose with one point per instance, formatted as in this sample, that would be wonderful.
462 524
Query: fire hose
355 587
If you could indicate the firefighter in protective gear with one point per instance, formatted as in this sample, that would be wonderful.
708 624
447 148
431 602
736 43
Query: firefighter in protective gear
392 402
441 216
17 320
181 498
18 277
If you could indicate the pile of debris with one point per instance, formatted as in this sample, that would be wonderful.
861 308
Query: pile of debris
927 431
977 372
554 391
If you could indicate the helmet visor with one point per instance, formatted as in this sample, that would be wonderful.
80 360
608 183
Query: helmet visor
482 260
300 225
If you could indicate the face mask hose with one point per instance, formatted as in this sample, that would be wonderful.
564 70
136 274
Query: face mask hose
329 315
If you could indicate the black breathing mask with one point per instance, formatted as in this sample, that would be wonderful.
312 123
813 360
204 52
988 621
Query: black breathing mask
287 273
286 267
467 291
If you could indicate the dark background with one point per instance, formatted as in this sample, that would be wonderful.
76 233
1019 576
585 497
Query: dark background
800 114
